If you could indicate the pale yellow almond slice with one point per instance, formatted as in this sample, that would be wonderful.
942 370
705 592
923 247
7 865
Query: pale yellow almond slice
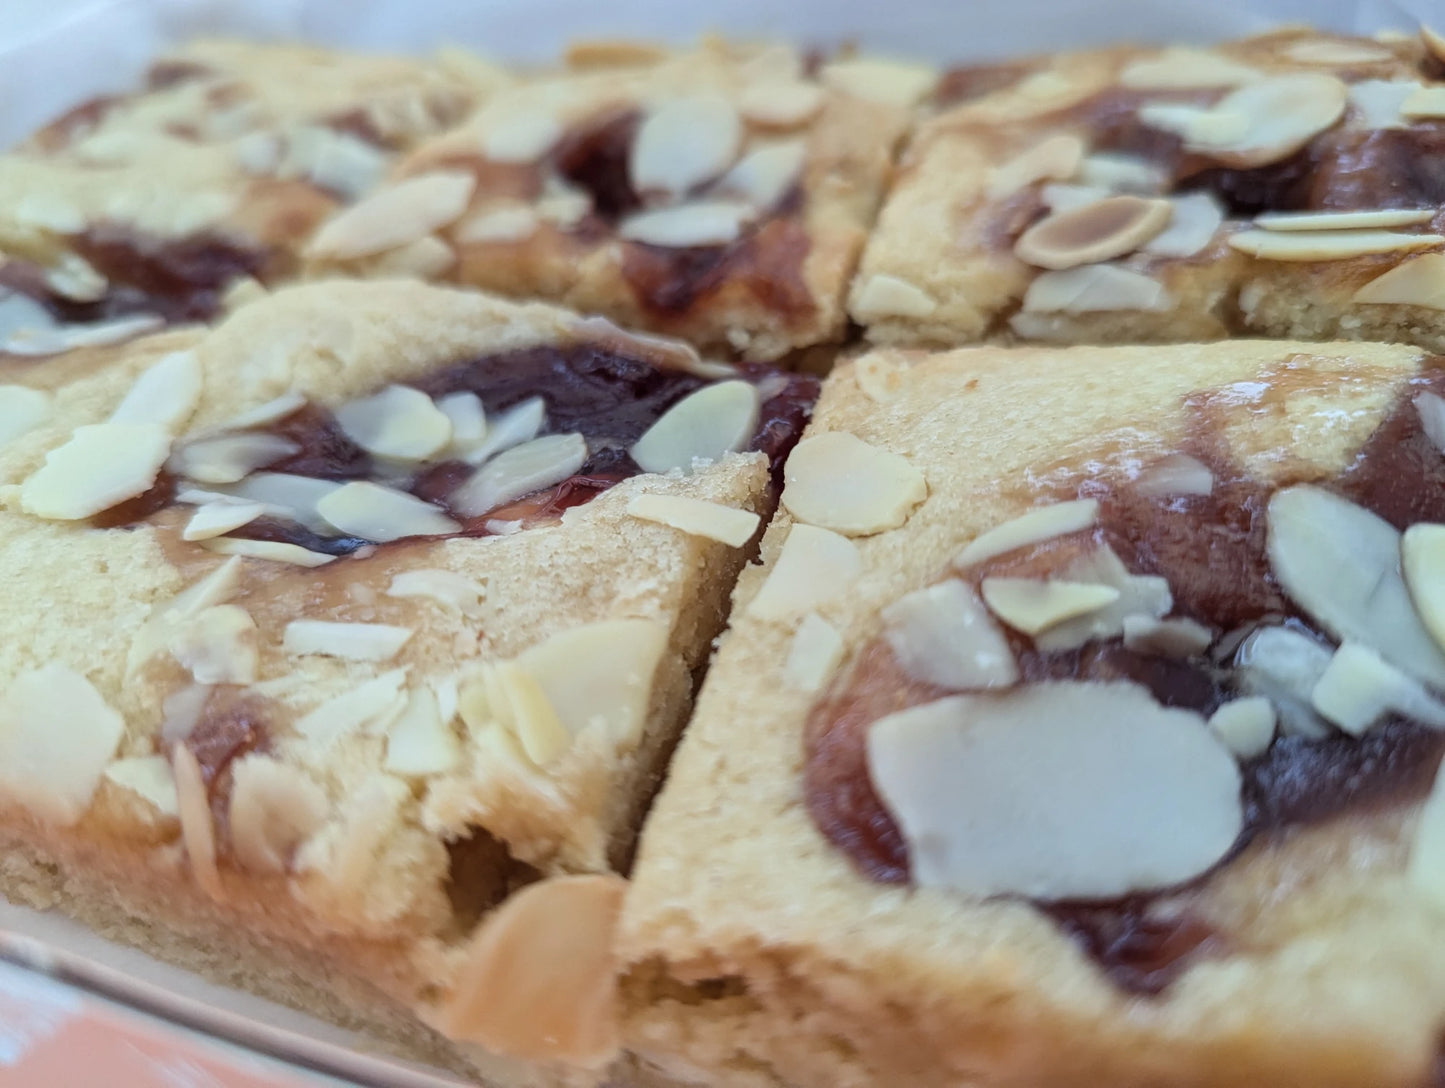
350 641
1284 665
57 339
420 741
57 736
394 216
227 459
274 550
1119 173
814 567
197 831
1032 605
452 591
699 223
1060 196
218 518
781 104
878 79
272 410
704 426
1139 595
274 808
1246 726
519 471
1376 102
1427 103
218 645
1196 220
1331 53
1419 281
612 53
1056 158
1093 288
1358 689
1422 558
943 635
382 514
1166 638
683 142
538 981
1175 475
103 464
764 175
883 296
427 257
22 409
399 422
1327 245
375 702
1182 67
506 223
813 655
1431 409
1357 220
520 423
1040 524
166 393
521 135
468 416
696 517
149 778
1094 232
522 708
837 481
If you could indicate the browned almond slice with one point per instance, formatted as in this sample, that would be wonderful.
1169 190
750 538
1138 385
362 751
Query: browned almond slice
1094 232
21 409
683 142
612 53
102 464
538 981
838 481
1420 281
1327 245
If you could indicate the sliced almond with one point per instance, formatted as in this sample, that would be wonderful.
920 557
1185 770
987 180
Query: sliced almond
150 779
420 741
182 710
1427 103
1119 173
884 296
781 104
1418 281
1166 638
58 339
399 422
229 458
1358 688
448 589
349 641
1357 220
684 142
21 316
1184 68
1284 665
103 464
1060 196
1341 564
361 708
217 518
838 481
891 82
1431 409
468 416
273 550
167 393
217 645
1196 220
1032 605
1173 476
814 566
813 655
263 414
563 206
1376 102
1434 42
696 517
1336 53
520 423
427 257
1139 595
943 635
333 160
57 735
274 808
393 216
295 497
520 705
1422 558
198 833
599 675
382 514
521 135
76 279
716 420
1246 726
1056 791
519 471
1095 232
21 410
1039 524
1057 158
509 223
1095 287
764 175
165 618
539 978
661 351
701 223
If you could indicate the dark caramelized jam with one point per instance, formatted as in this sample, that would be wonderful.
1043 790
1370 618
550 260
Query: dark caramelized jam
223 735
593 156
1211 550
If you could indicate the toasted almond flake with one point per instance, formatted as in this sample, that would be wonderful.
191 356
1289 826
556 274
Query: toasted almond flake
1422 557
814 566
1139 595
539 978
519 471
876 79
764 175
1182 67
781 104
1056 158
1095 287
381 514
275 551
227 459
1122 174
376 700
1341 564
1246 726
1039 524
214 519
1427 103
1196 220
399 422
1418 281
103 464
1032 605
150 779
521 135
263 414
1336 53
1056 791
683 142
1166 638
1095 232
509 223
1327 245
813 655
701 223
889 296
448 589
1175 475
166 393
518 424
1431 409
391 217
197 832
274 808
350 641
1357 220
1358 688
697 517
1283 665
943 635
704 426
57 735
838 481
420 742
21 410
218 645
